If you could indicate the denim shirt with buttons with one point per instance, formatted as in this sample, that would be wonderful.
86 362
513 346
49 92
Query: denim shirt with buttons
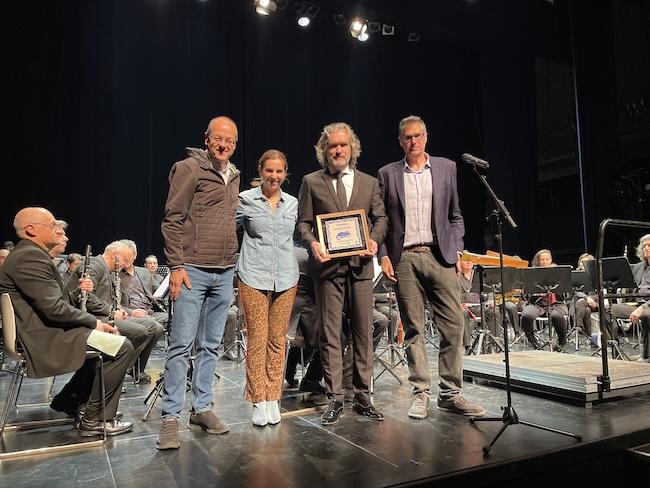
266 258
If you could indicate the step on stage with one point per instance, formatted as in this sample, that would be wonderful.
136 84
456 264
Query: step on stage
566 377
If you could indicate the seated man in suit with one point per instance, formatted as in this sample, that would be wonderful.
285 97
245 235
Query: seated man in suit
153 279
143 331
3 255
53 332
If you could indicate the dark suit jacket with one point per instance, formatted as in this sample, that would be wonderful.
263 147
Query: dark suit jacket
52 331
150 281
446 219
637 272
100 300
317 196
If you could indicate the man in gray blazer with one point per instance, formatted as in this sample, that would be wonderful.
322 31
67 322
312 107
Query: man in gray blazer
151 278
343 285
53 333
640 312
424 241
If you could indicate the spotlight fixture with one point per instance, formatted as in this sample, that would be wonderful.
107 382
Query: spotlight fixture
339 19
304 21
358 26
413 37
387 30
373 27
265 7
363 37
305 13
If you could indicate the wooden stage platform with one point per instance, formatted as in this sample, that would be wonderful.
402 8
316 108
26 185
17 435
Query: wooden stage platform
566 377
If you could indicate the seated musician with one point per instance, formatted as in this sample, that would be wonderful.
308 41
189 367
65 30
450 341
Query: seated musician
535 307
585 303
637 312
54 333
470 302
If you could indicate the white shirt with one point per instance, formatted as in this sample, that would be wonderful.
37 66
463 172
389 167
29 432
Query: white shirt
348 181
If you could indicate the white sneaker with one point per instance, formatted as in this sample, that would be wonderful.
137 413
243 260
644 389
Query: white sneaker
260 417
273 412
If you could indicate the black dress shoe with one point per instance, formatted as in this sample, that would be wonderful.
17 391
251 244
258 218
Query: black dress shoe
332 413
311 386
292 382
367 410
88 428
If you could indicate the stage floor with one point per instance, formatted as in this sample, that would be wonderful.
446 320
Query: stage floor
356 452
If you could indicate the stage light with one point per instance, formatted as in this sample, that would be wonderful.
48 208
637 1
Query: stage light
358 26
387 30
303 21
265 7
374 27
413 37
363 37
339 19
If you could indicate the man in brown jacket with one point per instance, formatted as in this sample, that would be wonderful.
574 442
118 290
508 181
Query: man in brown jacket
200 247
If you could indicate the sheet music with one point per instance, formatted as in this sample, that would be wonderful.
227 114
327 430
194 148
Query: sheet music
104 342
162 290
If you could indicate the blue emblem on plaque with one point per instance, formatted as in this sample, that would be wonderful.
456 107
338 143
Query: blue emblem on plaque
342 235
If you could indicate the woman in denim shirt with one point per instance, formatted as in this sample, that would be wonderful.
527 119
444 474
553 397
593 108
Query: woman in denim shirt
268 274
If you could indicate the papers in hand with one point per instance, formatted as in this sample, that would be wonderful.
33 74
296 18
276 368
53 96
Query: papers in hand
104 342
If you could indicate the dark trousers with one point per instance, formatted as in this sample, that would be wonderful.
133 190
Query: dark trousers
379 326
623 311
84 386
331 295
558 312
143 332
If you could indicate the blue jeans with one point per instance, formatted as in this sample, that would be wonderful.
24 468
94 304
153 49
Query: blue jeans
199 318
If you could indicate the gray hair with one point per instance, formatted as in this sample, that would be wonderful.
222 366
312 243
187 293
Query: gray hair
151 257
61 223
321 145
639 248
411 119
131 245
115 246
74 257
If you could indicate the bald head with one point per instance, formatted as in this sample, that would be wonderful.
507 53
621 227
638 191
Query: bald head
221 122
38 225
29 216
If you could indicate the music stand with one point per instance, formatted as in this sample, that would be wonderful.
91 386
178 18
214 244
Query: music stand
548 280
617 273
580 283
391 346
509 416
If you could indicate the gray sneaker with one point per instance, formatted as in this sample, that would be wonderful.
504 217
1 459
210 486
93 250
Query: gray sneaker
420 406
207 421
168 435
458 404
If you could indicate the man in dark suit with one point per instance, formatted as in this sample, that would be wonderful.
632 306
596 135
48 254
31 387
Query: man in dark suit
341 282
53 332
151 278
638 313
420 254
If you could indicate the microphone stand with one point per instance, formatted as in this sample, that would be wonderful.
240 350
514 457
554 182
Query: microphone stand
509 416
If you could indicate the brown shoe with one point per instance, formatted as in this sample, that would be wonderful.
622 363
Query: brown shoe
207 421
168 435
458 404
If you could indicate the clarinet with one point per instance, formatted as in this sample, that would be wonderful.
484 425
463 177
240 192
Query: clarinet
117 296
85 275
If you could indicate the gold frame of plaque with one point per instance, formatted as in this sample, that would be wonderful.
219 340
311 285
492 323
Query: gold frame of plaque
351 227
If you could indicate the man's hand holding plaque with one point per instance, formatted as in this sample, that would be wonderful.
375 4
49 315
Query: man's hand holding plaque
344 234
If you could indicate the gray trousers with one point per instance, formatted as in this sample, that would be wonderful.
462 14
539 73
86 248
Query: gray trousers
422 276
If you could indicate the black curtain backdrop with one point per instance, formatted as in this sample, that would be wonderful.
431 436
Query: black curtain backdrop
104 96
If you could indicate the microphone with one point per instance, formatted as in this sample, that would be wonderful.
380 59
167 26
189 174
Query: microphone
474 161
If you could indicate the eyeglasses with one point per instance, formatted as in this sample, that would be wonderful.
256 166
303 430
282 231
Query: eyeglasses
414 137
51 226
227 141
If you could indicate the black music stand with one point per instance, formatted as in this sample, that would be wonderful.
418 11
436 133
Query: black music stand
617 273
580 283
391 347
509 416
552 279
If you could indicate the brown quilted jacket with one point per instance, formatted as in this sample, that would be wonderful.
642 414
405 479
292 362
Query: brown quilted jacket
199 224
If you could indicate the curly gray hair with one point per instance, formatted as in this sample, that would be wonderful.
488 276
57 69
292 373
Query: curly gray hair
321 145
639 248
